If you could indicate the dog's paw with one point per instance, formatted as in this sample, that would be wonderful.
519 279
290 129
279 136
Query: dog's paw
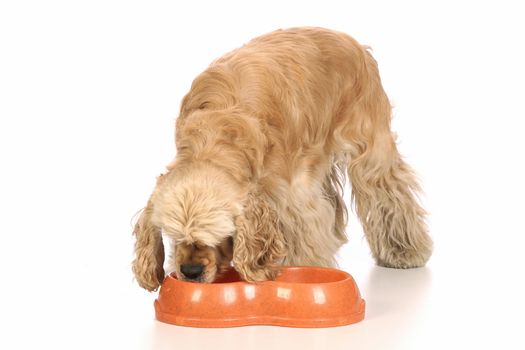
402 258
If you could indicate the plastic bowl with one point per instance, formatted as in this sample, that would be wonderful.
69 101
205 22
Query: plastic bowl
298 297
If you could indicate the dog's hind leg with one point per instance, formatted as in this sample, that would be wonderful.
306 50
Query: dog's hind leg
384 188
385 199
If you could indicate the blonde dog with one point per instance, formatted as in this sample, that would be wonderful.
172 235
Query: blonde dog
265 138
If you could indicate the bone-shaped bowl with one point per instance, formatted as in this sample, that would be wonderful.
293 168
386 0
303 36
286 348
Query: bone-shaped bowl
298 297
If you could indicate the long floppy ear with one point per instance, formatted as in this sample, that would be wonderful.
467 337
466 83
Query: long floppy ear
258 245
149 251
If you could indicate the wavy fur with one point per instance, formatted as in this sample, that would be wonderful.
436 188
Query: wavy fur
265 139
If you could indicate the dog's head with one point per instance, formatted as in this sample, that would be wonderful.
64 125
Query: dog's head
209 223
195 210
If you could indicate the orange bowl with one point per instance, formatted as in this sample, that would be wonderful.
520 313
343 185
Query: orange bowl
298 297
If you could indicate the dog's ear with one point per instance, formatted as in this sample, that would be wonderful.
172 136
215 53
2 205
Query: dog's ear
149 251
258 245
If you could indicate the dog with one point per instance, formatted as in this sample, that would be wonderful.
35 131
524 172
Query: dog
265 139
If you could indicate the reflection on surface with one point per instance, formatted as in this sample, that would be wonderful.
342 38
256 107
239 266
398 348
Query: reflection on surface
249 291
229 295
319 296
196 296
284 293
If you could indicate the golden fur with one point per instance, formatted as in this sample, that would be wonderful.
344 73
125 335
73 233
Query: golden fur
265 138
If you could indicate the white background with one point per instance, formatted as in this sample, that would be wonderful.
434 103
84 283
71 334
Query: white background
89 91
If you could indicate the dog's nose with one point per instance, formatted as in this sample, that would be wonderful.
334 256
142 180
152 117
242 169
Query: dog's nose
191 271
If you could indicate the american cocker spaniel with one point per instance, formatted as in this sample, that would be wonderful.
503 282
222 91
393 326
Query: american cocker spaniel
265 139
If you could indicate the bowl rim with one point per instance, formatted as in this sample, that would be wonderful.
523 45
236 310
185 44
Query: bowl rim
345 278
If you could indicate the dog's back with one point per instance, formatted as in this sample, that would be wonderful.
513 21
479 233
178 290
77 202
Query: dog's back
300 83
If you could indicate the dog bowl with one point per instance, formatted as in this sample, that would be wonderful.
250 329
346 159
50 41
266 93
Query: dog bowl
298 297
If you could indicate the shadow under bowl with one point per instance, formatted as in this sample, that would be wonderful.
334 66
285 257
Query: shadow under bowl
298 297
